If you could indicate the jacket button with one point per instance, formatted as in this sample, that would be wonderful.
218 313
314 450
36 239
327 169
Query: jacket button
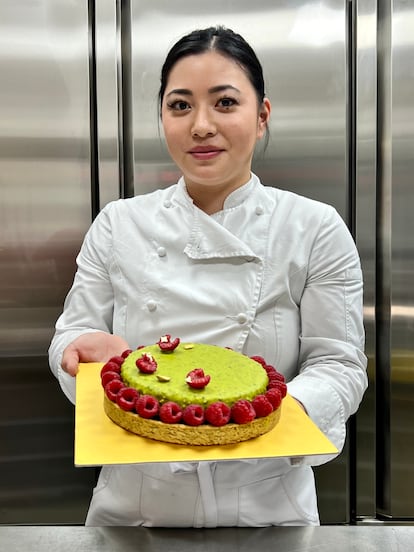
167 203
241 318
152 306
259 210
161 252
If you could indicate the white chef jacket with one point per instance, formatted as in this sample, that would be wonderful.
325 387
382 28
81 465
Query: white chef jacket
272 274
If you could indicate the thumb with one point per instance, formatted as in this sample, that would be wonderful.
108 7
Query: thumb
70 360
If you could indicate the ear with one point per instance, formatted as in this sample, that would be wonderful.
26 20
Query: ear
264 116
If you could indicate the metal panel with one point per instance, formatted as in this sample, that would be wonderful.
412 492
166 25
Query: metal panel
402 261
394 295
44 211
108 61
302 46
365 167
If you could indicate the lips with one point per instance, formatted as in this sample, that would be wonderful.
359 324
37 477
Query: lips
205 152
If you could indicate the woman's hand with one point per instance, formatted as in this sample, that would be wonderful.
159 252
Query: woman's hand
92 347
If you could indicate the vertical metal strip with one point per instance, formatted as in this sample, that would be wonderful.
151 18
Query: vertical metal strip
383 263
125 130
93 113
351 22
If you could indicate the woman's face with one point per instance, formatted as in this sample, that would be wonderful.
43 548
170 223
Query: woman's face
212 120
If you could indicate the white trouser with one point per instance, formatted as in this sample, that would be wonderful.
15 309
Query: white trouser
251 493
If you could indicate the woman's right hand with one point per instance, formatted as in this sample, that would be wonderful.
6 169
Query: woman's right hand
92 347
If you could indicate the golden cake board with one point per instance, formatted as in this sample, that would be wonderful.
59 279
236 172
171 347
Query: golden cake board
98 441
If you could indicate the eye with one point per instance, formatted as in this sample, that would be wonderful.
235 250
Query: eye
178 105
227 102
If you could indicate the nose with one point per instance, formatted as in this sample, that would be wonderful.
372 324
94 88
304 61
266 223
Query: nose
203 124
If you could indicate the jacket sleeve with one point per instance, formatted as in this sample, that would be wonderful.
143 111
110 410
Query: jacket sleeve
332 366
89 304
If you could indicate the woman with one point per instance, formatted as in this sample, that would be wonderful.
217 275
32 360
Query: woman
219 258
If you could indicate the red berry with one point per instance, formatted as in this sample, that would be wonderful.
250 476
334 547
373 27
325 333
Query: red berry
274 374
109 376
170 413
259 359
166 345
262 406
126 398
193 415
110 367
147 406
242 412
278 385
218 414
126 353
117 359
197 379
274 396
146 364
112 389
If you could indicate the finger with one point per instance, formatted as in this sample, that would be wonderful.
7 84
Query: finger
70 361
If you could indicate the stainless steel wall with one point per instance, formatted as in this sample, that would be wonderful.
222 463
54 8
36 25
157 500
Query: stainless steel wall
45 208
394 268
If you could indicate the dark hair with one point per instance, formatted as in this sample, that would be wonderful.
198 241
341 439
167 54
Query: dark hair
221 40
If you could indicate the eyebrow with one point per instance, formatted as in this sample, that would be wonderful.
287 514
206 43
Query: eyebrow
212 90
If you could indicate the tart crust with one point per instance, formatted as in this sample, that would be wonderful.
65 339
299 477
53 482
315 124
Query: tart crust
182 434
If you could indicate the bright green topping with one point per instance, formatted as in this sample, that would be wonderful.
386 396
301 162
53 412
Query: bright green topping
233 375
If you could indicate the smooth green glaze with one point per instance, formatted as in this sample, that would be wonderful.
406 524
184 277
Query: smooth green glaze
233 375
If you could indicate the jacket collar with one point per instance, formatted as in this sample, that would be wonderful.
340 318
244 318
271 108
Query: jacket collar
208 238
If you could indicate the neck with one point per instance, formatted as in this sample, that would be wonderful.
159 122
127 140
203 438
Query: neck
208 203
210 199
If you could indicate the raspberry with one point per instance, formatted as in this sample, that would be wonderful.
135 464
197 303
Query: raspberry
278 385
274 374
110 367
126 398
109 376
242 412
218 414
262 406
259 359
147 406
112 389
193 415
126 353
170 413
146 364
197 379
274 396
117 359
166 345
